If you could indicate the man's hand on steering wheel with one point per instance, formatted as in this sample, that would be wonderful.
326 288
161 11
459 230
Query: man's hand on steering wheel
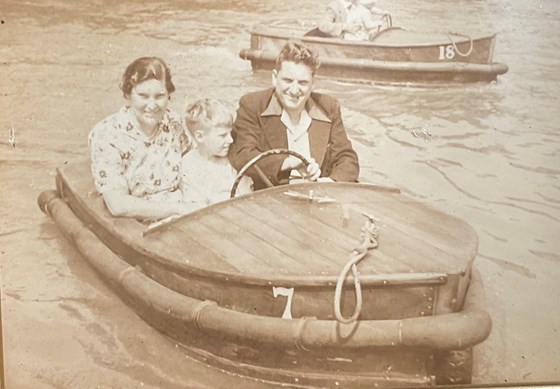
310 172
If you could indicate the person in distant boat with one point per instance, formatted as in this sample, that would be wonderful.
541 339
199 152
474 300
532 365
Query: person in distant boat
291 116
378 15
136 152
207 174
349 20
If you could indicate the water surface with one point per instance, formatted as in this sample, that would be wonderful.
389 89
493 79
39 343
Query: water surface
492 159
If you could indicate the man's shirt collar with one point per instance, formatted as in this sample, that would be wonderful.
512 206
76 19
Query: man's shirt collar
274 108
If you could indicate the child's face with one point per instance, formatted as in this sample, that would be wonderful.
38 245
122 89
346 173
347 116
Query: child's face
216 142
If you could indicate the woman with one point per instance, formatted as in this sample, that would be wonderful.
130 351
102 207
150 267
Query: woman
136 152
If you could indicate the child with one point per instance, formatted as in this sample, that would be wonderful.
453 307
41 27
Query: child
207 176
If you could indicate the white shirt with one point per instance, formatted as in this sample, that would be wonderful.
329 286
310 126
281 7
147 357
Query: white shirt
358 16
298 137
205 182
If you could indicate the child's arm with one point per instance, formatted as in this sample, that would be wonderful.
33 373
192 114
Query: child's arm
192 198
245 186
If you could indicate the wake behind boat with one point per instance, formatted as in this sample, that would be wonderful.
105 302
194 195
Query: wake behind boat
256 284
393 55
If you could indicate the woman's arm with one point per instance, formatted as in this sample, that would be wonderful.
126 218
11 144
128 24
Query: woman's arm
121 204
108 171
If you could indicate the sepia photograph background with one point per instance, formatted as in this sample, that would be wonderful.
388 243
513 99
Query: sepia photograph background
491 159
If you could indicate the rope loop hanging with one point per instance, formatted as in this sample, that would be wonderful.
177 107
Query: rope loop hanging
369 241
455 45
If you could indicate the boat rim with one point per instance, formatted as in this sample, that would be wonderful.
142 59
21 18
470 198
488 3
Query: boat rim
265 31
303 281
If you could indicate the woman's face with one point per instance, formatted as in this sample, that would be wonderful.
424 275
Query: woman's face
148 101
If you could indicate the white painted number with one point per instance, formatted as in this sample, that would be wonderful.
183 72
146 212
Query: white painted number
446 52
288 292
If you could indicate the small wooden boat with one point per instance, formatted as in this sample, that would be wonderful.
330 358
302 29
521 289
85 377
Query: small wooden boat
257 284
392 55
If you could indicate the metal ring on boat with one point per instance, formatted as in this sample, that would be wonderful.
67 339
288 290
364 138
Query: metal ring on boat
125 272
201 307
299 331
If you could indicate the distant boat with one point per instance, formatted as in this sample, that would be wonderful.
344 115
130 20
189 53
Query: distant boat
392 55
254 284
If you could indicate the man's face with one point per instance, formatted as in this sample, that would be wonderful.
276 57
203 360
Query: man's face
293 83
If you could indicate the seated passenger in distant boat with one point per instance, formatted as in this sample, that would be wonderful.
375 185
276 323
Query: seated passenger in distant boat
378 16
349 20
207 175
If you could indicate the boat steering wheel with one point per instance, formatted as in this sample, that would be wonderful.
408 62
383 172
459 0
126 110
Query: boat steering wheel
256 159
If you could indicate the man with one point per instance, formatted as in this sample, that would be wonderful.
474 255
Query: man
291 116
349 20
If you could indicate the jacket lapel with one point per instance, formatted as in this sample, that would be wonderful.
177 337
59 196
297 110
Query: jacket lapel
319 131
275 132
318 139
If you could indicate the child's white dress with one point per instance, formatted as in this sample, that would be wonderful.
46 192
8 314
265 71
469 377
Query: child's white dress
205 182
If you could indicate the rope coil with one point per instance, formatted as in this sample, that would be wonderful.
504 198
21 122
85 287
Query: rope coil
369 241
351 264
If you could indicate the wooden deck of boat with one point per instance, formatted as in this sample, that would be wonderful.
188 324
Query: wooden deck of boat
270 233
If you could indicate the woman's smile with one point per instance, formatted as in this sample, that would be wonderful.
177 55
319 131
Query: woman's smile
148 101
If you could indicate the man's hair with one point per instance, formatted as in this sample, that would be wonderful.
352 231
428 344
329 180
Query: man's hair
205 114
298 53
143 69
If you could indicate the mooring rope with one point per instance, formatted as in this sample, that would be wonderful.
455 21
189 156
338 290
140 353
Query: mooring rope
351 264
369 241
455 46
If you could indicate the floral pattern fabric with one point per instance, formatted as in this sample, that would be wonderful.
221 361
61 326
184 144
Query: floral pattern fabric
125 158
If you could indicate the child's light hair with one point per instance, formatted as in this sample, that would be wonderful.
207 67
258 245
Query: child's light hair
206 114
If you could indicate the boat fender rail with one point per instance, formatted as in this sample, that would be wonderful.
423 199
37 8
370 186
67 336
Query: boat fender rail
167 310
267 56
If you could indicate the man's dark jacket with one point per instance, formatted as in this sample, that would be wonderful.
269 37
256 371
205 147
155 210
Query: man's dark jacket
258 128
